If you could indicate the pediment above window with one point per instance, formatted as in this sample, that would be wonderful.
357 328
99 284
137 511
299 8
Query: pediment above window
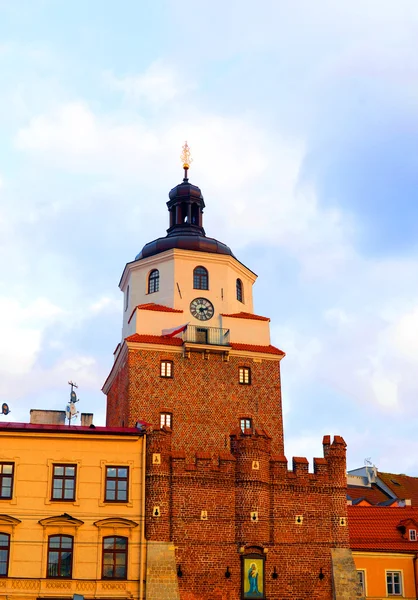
8 520
116 522
64 519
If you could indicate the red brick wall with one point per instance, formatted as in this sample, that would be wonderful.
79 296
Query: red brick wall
204 467
229 489
204 397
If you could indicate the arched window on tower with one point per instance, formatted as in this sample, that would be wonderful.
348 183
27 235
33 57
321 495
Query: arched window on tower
240 293
154 281
200 279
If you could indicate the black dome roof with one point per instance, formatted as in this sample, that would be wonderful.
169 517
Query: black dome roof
186 231
200 243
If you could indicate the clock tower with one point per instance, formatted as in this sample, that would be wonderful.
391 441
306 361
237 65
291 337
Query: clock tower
193 355
224 516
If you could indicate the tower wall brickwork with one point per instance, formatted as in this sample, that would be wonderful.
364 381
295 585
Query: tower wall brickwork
204 396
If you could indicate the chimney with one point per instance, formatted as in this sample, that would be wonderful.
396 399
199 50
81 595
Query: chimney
86 419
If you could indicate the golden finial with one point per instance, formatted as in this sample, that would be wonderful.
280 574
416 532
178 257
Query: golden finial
186 158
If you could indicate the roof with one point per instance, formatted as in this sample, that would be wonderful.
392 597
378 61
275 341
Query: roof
154 339
252 348
73 429
175 341
401 485
373 494
375 528
156 307
246 315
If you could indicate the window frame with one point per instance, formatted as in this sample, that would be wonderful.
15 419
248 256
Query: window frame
413 537
6 548
163 369
154 281
115 552
200 279
116 479
127 299
60 552
10 476
163 419
362 580
392 583
244 375
240 291
64 478
245 421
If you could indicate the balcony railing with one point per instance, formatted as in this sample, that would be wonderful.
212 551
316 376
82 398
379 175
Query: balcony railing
215 336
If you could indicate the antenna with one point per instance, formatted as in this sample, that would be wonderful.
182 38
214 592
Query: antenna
368 461
70 411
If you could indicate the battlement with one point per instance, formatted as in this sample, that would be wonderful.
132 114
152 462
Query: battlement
251 458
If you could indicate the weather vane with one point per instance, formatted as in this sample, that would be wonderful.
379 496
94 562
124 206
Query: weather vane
186 159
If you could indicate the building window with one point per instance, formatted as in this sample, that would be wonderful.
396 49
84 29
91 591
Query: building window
412 535
245 423
127 298
63 482
60 556
244 375
154 281
6 480
362 581
240 294
116 484
4 554
115 558
165 420
200 279
166 368
394 583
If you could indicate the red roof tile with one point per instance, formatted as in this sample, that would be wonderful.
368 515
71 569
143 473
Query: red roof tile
154 339
252 348
246 315
156 307
401 485
375 528
75 429
373 494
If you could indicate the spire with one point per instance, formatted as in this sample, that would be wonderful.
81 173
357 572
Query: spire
186 159
186 203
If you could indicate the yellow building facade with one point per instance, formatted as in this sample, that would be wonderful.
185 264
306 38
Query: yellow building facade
71 511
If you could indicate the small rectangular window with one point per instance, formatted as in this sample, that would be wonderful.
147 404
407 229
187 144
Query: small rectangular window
6 480
413 535
63 482
245 424
362 581
60 556
166 368
115 558
394 583
244 375
165 420
4 554
116 484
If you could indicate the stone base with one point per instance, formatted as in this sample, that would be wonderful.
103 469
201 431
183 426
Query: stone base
161 572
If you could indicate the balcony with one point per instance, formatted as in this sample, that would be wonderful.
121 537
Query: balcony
207 336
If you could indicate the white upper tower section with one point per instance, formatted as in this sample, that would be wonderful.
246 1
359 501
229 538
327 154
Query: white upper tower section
189 278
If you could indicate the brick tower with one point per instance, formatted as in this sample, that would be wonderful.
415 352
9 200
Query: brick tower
225 518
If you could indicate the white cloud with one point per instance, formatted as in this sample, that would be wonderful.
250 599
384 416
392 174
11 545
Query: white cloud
157 86
105 304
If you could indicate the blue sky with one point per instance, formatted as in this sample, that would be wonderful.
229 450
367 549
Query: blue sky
303 121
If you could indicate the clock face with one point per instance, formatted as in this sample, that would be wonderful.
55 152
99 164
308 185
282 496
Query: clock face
201 309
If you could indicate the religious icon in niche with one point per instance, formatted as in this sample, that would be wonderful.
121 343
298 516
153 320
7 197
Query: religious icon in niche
253 576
